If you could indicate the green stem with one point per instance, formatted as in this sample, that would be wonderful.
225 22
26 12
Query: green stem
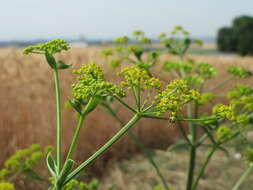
115 138
243 177
76 136
146 100
201 173
181 128
136 96
139 98
192 161
191 168
58 121
136 140
125 104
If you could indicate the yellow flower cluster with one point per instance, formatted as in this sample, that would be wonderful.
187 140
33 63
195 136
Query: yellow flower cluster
91 83
204 98
137 77
22 160
224 111
52 47
6 186
223 133
176 94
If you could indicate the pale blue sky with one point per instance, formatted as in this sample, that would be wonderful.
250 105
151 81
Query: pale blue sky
31 19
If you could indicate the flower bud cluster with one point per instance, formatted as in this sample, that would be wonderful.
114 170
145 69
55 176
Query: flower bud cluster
176 94
177 42
121 40
239 91
224 111
223 133
194 80
241 97
238 71
136 50
242 119
24 159
137 77
206 70
107 52
205 98
75 184
91 83
6 186
249 154
173 65
140 35
52 47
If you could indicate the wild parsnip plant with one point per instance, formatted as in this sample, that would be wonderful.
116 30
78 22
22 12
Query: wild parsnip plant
211 130
92 88
21 166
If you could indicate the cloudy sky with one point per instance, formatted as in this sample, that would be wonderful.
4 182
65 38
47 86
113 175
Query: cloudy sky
32 19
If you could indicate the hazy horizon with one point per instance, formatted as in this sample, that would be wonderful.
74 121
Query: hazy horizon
37 19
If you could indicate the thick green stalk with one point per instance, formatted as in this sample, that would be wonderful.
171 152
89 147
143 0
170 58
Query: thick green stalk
191 165
192 161
201 173
145 150
243 177
115 138
193 133
76 136
58 120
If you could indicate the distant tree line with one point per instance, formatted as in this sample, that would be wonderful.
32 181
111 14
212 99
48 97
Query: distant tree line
238 38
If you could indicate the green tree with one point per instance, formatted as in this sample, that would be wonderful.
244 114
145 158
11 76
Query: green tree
225 40
238 38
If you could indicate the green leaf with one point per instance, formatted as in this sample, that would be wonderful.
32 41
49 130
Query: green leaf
50 60
51 164
76 105
61 65
92 104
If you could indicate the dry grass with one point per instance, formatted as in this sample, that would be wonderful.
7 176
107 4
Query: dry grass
136 173
27 110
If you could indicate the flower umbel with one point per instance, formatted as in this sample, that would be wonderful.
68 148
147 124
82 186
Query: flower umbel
224 111
238 71
52 47
249 154
6 186
223 133
176 94
91 83
137 77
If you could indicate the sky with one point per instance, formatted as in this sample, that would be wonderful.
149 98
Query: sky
103 19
